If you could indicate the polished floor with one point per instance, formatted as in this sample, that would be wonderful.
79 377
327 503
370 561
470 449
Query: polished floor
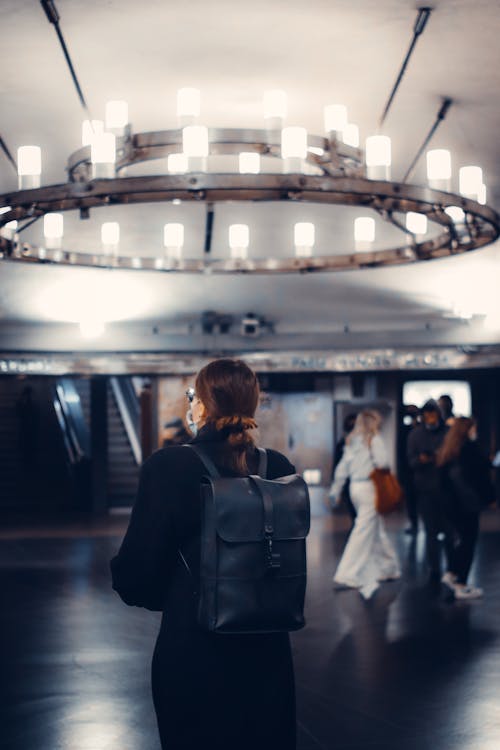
408 669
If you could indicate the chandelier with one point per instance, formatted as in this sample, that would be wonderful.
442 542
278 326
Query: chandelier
278 163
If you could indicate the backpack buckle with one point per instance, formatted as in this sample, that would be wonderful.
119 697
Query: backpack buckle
273 559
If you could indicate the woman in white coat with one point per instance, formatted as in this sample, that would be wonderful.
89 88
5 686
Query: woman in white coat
369 556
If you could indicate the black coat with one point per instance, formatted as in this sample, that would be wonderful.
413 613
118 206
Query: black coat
209 690
423 440
467 480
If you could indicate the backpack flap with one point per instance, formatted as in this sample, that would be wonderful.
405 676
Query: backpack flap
288 498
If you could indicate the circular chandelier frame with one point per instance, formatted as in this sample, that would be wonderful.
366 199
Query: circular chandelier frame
341 181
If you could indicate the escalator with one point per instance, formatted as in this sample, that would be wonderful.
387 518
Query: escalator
75 435
45 443
124 449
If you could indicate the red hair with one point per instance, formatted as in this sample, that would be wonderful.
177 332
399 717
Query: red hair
454 440
229 391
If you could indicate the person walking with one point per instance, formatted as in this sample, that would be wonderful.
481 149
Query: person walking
423 442
369 556
345 495
209 689
467 488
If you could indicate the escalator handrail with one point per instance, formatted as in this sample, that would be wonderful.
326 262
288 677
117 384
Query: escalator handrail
130 421
66 436
69 432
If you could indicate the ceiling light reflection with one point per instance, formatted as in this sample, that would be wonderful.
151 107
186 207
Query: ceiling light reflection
108 299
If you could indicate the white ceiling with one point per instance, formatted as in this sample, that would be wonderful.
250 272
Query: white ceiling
319 52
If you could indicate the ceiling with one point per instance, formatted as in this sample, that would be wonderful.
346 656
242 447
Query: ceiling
319 52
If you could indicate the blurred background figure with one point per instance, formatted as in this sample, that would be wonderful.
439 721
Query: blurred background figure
411 415
423 442
445 404
345 495
467 488
369 556
175 433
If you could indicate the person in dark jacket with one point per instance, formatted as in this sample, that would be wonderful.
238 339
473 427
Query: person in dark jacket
423 442
445 404
209 690
465 475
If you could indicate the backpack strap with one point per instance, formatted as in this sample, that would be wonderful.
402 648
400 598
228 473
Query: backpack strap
262 470
206 460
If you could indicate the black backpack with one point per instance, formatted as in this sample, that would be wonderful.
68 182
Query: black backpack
253 551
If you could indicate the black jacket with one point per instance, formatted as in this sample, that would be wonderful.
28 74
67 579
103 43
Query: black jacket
422 440
467 480
208 689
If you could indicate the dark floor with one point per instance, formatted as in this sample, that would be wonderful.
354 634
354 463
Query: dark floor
403 670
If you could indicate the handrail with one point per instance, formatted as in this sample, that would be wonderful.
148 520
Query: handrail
70 452
70 417
68 421
128 407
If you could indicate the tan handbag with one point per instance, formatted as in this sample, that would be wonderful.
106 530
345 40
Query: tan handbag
388 491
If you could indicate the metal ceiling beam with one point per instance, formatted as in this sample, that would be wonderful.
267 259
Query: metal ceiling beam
53 18
7 153
419 26
443 111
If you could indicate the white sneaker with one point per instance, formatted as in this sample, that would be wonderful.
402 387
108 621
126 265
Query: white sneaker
449 579
462 591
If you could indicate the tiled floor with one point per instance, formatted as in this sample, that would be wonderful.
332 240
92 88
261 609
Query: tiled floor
405 670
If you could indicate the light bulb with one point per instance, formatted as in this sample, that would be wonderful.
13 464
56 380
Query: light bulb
188 106
90 129
8 230
53 229
239 239
195 146
116 116
481 195
416 223
350 135
173 240
103 155
195 140
335 116
29 167
364 232
275 108
378 157
110 237
456 214
249 162
293 148
470 180
303 235
177 163
439 169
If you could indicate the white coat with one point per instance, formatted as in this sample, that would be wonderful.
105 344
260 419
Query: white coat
369 557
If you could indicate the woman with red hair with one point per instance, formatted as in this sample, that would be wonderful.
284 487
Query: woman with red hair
210 690
465 476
